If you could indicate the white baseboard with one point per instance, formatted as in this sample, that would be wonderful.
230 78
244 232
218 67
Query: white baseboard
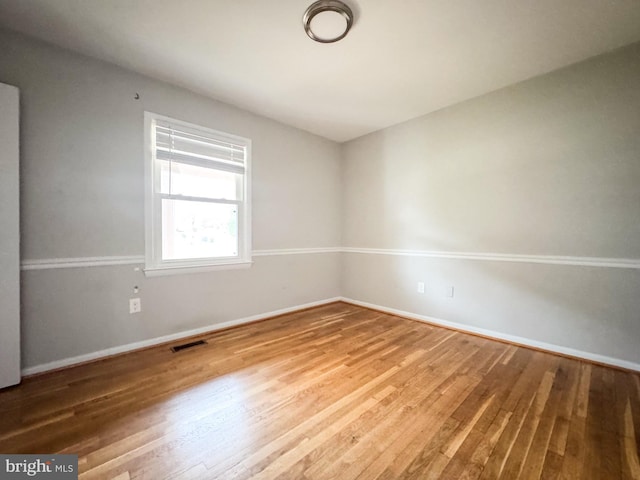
66 362
549 347
594 357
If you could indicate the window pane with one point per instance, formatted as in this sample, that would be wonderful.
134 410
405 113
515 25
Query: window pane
198 230
194 181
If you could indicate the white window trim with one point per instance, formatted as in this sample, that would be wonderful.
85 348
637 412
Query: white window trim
154 265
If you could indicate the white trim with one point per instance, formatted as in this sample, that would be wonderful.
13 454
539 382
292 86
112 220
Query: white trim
52 263
182 269
49 263
549 347
66 362
295 251
150 241
423 318
505 257
633 263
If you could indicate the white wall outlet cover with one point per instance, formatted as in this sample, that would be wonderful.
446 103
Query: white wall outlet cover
135 305
420 287
449 292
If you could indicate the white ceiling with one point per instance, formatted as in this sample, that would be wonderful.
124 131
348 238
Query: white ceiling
402 59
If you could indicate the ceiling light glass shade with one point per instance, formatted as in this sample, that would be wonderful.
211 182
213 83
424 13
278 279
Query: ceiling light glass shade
327 21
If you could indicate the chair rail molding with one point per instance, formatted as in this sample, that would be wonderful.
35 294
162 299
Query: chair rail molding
604 262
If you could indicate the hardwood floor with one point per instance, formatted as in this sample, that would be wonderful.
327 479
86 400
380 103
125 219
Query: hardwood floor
336 392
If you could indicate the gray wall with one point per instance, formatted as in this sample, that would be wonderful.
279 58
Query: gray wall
550 166
82 167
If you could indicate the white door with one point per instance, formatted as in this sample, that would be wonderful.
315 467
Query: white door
9 238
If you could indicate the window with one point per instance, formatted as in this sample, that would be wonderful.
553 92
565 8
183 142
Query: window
197 202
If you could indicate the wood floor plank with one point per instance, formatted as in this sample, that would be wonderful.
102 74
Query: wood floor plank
336 391
573 464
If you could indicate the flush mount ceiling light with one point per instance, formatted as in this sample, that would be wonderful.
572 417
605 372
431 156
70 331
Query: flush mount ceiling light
327 21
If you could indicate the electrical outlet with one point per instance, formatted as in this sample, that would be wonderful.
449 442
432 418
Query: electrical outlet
449 292
135 306
420 287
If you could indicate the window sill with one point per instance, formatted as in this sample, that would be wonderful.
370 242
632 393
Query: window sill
185 269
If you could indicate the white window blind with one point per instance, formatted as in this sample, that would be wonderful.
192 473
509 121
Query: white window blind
183 145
